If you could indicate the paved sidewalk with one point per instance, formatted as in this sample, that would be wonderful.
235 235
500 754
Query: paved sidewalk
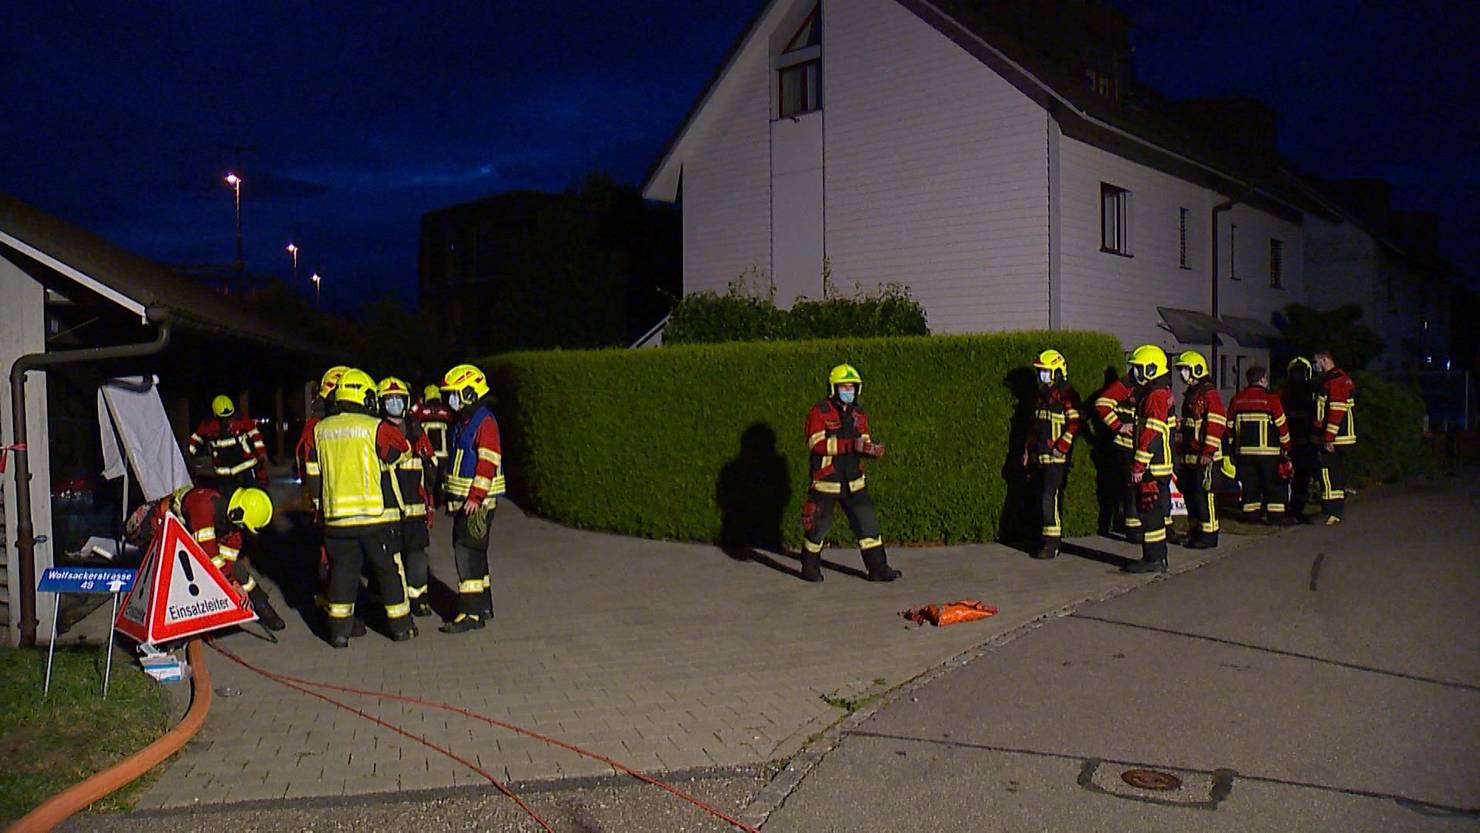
665 656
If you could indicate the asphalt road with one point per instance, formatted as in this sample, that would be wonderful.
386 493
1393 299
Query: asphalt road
1327 680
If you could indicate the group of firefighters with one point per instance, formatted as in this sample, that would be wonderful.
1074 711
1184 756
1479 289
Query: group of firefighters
1277 443
376 464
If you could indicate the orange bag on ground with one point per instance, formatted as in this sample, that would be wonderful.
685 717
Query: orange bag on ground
940 615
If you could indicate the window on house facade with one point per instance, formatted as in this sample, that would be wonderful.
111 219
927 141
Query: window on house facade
1115 219
1233 252
799 70
1182 215
1277 263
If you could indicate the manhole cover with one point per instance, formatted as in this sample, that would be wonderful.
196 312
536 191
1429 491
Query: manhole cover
1150 779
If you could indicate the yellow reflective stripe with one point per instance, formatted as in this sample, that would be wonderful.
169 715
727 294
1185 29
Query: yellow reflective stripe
1159 425
1279 420
1340 406
811 546
1216 419
237 469
1143 455
1106 402
487 582
219 562
251 584
398 610
1156 537
229 553
857 484
869 543
828 488
205 533
1275 507
497 487
385 516
489 455
311 468
415 592
341 611
472 585
832 445
816 438
1071 413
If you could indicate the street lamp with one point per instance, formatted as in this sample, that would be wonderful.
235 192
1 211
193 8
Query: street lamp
293 251
236 186
315 280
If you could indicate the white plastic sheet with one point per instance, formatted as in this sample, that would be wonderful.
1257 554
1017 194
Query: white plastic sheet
136 433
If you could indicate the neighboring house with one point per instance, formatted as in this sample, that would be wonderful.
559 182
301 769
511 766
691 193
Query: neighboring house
1387 262
1006 167
64 293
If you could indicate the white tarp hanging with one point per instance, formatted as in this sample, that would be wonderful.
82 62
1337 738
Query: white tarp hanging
132 421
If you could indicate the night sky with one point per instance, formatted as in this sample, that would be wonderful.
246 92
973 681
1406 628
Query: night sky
348 120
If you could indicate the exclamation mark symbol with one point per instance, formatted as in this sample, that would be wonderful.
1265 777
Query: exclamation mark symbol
189 573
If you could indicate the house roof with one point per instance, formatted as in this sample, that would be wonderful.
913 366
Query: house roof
1146 130
1190 326
130 281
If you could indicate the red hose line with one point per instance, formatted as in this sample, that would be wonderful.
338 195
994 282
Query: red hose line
295 682
302 686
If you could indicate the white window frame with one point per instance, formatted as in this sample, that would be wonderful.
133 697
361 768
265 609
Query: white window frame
1115 223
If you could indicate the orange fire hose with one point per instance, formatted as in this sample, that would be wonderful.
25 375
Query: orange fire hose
64 804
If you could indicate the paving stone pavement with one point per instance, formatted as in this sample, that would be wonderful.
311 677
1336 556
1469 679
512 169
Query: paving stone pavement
664 656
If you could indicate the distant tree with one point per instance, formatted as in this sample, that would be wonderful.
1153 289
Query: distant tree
394 341
1341 330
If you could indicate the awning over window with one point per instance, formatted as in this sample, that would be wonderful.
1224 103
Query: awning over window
1250 332
1190 326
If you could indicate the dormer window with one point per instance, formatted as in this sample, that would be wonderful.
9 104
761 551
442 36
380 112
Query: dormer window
799 69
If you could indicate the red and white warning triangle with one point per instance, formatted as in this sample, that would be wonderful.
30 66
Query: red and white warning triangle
179 592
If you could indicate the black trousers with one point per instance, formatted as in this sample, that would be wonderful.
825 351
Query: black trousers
1154 520
817 518
414 541
1130 510
1303 456
1264 491
1049 478
350 549
1333 480
1196 481
470 554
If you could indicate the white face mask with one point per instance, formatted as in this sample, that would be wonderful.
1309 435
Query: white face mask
846 395
1045 377
454 401
395 406
1186 376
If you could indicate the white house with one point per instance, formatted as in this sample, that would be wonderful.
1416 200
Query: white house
917 142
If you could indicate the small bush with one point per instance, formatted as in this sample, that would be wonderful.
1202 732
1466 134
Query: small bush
1390 441
705 442
748 312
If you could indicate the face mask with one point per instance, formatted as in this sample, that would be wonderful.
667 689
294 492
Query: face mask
454 401
1186 376
847 396
1045 377
395 406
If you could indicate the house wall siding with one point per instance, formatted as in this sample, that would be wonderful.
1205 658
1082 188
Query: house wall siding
936 172
1249 293
726 192
1118 294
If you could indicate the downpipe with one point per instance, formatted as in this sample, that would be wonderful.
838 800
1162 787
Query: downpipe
1213 271
25 527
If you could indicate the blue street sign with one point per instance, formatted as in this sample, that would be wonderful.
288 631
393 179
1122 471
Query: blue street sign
85 580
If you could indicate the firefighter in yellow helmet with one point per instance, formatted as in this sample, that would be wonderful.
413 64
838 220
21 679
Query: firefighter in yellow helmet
237 453
475 479
838 439
320 407
436 419
350 461
1056 421
1151 468
1199 447
411 488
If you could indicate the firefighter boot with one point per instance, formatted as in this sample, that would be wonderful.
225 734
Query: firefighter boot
339 632
358 629
1048 549
1144 566
462 624
402 629
812 566
421 607
265 613
877 562
1204 541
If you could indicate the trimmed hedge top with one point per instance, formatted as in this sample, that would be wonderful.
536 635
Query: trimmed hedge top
705 442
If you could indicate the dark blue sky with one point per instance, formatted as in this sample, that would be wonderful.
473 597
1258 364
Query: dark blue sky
354 118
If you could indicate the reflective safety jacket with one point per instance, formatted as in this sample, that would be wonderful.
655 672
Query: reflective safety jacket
1153 431
476 471
410 472
435 419
1200 430
1257 420
834 433
349 467
1336 409
1056 421
1116 406
235 445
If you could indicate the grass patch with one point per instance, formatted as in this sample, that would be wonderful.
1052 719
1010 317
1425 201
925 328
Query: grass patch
49 745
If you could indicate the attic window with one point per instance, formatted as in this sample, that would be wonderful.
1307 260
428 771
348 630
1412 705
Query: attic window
808 34
799 69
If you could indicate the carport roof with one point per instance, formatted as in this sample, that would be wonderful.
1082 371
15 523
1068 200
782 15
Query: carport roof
1190 326
134 283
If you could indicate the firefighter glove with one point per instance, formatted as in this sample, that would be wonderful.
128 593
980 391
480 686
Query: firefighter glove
1150 494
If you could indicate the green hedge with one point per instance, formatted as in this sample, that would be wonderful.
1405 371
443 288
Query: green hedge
1390 442
653 442
745 314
